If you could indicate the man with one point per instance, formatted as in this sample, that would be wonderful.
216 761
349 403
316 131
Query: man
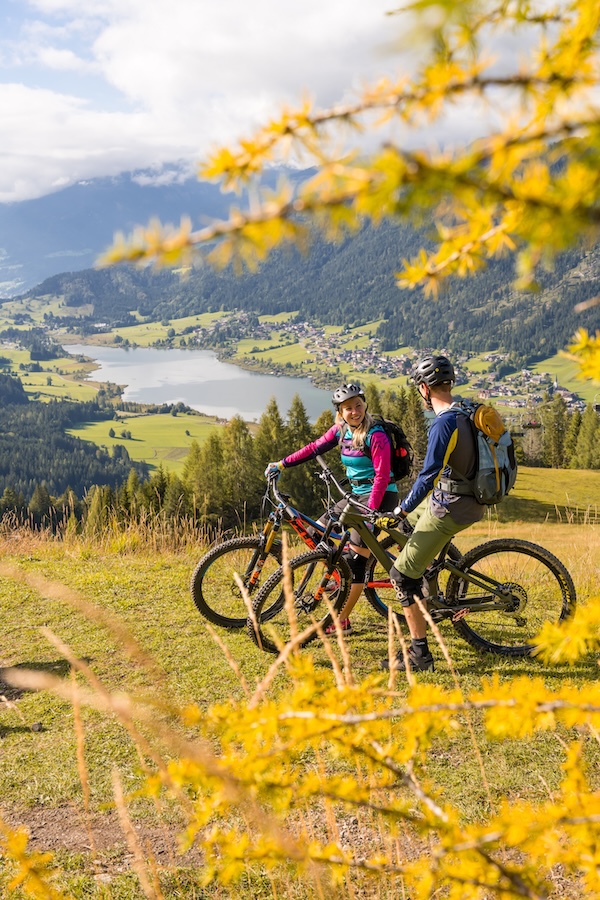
437 514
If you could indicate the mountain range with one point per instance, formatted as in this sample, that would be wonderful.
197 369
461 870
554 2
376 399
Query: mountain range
345 283
67 230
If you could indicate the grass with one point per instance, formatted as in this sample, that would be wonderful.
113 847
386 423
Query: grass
147 590
566 370
568 495
160 439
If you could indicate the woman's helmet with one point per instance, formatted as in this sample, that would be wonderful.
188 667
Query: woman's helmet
433 370
347 392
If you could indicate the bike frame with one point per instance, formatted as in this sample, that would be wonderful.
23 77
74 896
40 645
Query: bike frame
362 519
298 521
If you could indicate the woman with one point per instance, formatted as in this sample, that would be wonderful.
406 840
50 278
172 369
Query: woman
366 456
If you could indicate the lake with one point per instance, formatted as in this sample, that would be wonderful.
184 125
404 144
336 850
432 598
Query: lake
200 380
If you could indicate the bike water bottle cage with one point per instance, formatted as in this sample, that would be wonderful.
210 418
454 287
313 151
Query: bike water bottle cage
347 392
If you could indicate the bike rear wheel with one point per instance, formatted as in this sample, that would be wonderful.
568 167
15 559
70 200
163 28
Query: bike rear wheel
540 590
215 591
308 572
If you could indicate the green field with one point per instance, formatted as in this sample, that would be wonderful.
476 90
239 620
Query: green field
566 370
155 439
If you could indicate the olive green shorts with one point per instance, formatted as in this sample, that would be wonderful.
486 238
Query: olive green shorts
430 534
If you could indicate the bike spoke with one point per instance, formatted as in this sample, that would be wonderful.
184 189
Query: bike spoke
314 585
534 588
215 590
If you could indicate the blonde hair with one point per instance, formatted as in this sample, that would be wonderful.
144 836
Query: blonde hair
359 434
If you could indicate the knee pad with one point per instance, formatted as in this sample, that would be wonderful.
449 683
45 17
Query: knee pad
358 565
406 588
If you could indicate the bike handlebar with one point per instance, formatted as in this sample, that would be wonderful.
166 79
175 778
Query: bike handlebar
367 512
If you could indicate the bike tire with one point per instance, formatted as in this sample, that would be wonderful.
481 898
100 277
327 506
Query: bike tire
273 629
542 588
214 589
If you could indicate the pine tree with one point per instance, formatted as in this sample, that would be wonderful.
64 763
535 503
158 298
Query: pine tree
415 426
153 491
395 405
131 492
298 480
270 441
203 476
242 480
573 426
40 503
587 454
175 501
100 506
554 420
373 400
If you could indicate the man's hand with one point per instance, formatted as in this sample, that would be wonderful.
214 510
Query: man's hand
387 521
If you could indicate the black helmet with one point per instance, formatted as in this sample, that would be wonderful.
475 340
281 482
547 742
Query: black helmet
347 392
433 370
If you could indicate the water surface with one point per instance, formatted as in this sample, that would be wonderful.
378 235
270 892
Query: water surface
200 380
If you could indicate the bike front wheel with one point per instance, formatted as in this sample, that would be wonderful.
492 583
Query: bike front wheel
536 588
215 591
312 579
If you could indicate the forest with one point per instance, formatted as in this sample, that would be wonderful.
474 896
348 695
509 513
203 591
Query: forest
41 465
49 475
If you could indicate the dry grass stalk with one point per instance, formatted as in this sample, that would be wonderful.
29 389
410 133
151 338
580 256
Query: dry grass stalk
347 678
441 643
394 629
340 678
55 590
82 769
139 864
250 607
288 590
228 654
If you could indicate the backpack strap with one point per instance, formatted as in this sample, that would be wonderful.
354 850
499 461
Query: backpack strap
377 426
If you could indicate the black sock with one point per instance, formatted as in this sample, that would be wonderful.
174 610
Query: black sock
420 646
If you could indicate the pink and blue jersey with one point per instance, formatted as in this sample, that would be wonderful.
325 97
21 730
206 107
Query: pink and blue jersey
369 472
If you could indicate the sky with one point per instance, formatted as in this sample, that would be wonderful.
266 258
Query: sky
92 88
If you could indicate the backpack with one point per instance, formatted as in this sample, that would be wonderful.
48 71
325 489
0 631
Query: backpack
402 455
496 466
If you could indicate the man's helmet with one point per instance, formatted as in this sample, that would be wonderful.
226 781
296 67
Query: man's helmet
347 392
433 370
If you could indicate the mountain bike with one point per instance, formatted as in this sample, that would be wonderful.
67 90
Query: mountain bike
216 593
497 595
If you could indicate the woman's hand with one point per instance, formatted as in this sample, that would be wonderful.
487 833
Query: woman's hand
274 468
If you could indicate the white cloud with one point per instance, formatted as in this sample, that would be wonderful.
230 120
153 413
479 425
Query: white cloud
97 88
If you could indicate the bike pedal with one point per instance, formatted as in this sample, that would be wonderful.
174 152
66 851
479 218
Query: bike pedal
460 614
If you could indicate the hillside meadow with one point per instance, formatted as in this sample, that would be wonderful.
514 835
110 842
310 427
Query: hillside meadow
121 605
158 439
